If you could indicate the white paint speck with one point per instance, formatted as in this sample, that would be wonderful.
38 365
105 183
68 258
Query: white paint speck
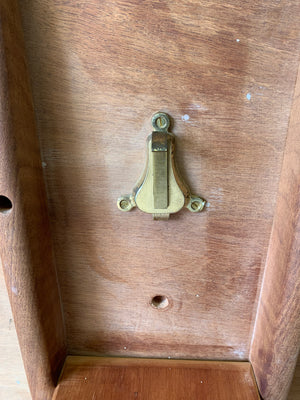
125 348
85 378
207 205
185 117
238 40
44 165
169 357
14 290
201 381
197 107
239 353
197 295
248 95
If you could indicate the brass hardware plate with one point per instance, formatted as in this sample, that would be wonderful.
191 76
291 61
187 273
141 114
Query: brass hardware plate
161 191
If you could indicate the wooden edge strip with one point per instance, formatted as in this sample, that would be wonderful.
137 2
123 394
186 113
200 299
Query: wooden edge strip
25 242
276 337
99 361
98 377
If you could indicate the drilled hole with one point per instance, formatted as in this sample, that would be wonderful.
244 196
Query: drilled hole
160 302
5 205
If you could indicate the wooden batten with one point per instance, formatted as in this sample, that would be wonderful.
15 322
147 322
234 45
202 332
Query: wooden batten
26 250
276 336
100 378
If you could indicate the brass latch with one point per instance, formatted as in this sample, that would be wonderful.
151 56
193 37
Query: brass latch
161 191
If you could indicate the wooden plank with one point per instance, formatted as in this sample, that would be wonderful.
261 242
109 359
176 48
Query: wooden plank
276 339
294 393
225 72
25 240
121 379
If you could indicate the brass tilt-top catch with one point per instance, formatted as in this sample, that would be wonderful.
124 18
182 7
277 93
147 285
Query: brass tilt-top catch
161 191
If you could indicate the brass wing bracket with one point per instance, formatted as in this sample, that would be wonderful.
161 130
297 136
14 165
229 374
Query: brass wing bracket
161 191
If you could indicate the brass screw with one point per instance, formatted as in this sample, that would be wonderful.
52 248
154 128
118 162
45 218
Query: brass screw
195 205
124 204
160 122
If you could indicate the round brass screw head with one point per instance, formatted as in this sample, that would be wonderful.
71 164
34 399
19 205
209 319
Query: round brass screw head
124 203
196 204
160 122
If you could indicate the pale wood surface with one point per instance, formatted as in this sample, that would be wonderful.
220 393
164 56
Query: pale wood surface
25 240
276 338
99 70
123 379
13 382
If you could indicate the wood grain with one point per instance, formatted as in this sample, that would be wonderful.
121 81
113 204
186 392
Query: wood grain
122 379
226 73
25 241
276 339
294 393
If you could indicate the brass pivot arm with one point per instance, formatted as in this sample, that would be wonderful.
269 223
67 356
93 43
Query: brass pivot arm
161 191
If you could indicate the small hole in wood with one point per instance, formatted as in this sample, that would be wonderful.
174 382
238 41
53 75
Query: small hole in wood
5 205
160 302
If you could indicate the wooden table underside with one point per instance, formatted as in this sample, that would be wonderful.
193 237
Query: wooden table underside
81 274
